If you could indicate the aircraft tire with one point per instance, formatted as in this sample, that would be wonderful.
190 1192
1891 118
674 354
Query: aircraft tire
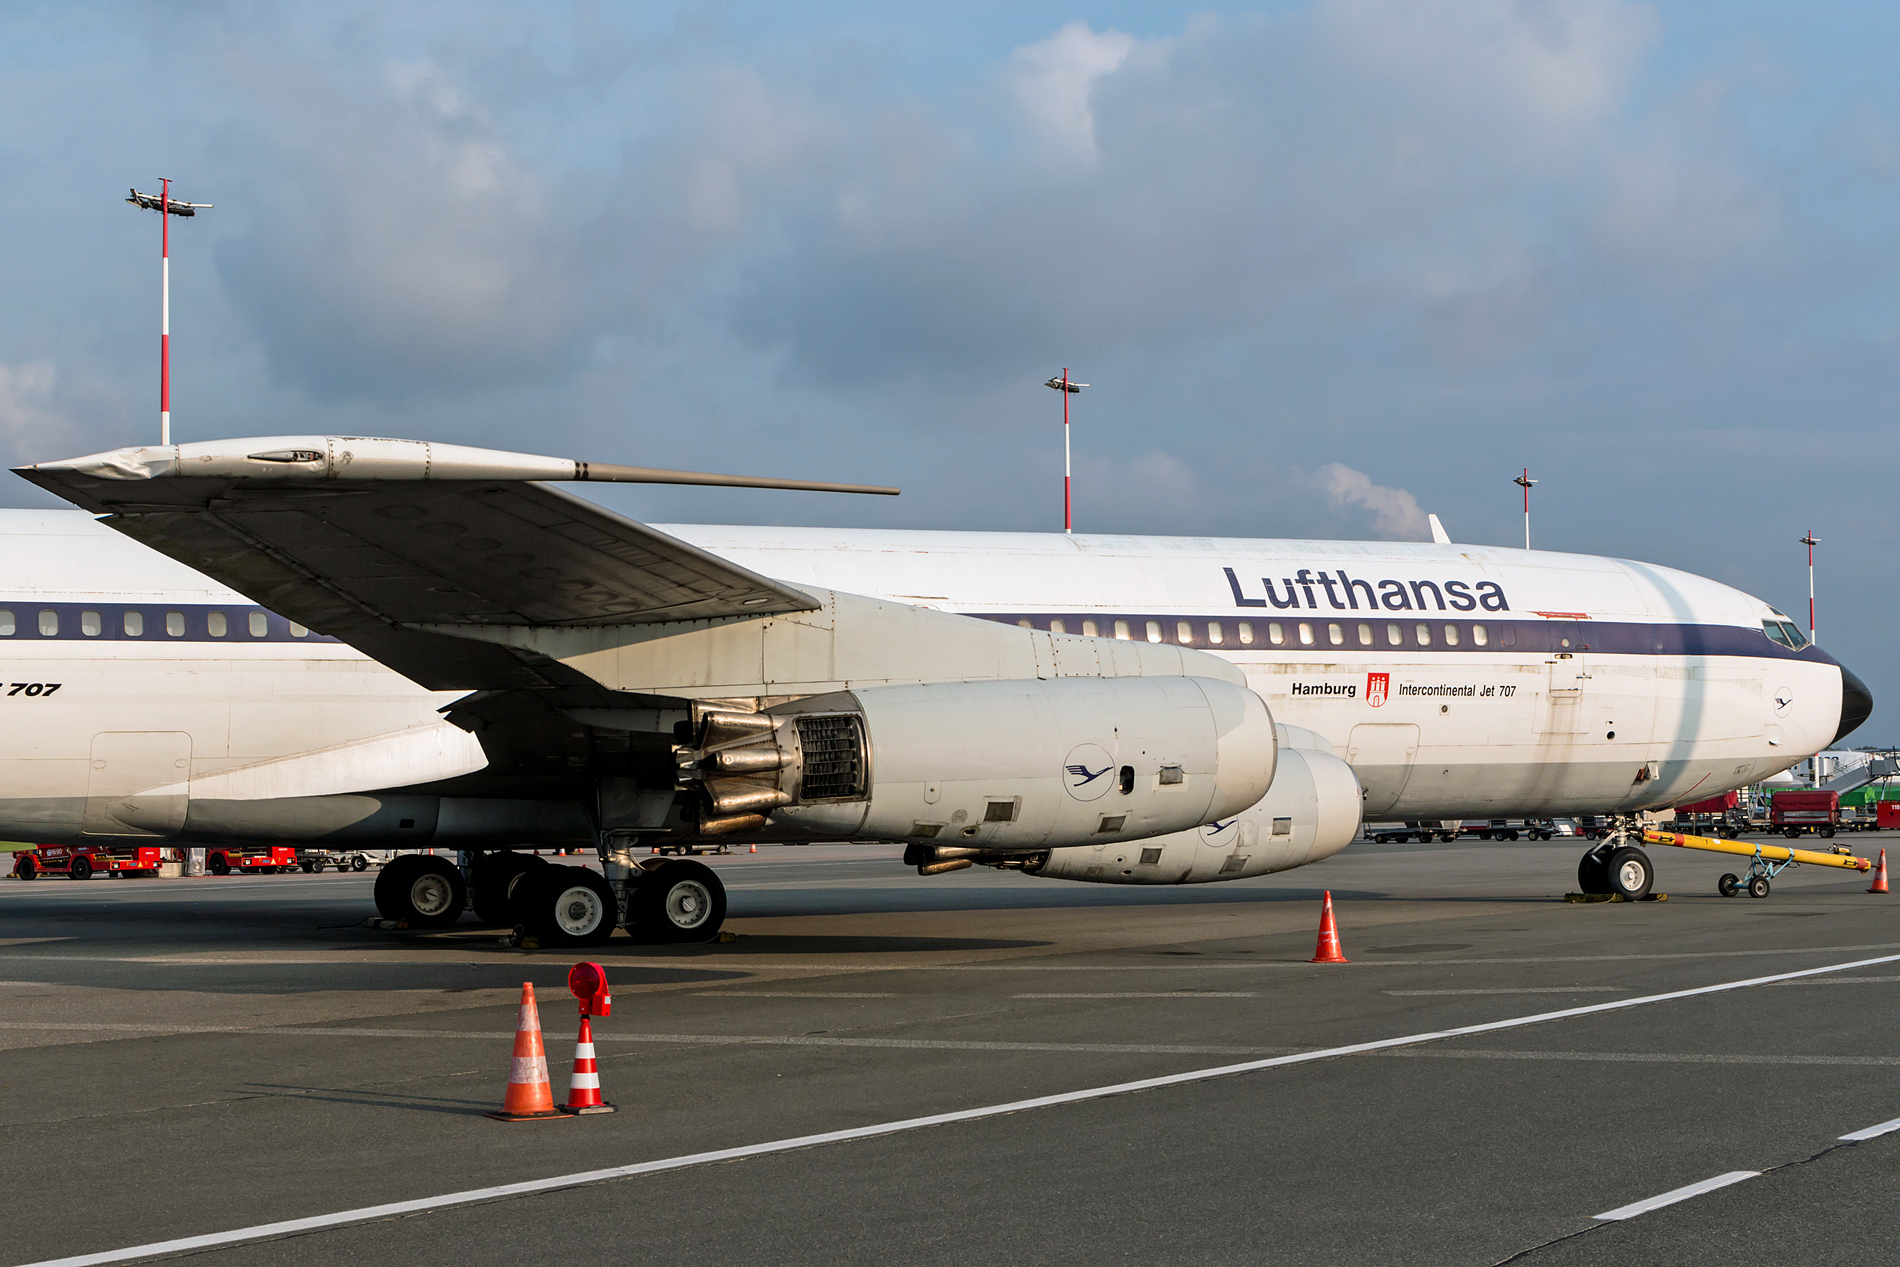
1758 886
1631 872
679 901
568 906
496 880
1593 873
1729 884
427 892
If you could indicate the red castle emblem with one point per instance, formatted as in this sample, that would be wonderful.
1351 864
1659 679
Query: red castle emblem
1378 685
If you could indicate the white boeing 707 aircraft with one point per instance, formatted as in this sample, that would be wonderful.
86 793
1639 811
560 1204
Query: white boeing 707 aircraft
354 642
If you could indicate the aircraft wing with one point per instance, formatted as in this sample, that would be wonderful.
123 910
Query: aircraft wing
365 540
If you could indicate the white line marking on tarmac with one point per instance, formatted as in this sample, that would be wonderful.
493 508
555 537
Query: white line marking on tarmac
1660 1200
1524 989
1157 994
783 994
1844 981
530 1186
1873 1131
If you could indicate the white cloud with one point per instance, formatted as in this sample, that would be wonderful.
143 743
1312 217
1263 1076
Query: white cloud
1054 83
1395 512
25 391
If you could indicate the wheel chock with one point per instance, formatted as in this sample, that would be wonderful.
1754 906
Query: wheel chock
1613 897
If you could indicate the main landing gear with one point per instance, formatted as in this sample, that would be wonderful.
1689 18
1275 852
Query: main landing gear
1617 868
658 900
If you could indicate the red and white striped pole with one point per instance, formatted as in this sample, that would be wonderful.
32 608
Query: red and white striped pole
167 207
1067 389
165 311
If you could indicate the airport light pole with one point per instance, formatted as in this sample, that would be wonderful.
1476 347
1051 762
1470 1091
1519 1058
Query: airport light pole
1524 482
1067 389
1810 541
166 207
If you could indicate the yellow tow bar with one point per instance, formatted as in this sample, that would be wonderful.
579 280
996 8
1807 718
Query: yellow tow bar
1773 853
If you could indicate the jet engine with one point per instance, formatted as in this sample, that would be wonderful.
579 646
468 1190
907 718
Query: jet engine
1310 812
1012 766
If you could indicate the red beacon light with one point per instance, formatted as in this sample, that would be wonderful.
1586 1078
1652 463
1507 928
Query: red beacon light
588 981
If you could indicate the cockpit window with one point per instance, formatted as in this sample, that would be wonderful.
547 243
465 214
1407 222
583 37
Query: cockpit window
1785 632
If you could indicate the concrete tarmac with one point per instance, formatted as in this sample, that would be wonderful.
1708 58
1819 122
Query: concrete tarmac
193 1057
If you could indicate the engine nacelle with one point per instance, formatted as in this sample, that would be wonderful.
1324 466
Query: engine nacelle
1012 767
1310 812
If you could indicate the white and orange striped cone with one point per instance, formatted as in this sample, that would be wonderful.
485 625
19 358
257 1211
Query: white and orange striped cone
755 849
1880 875
530 1097
583 1088
1328 950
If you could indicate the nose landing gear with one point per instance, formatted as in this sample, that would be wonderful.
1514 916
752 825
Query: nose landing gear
1617 867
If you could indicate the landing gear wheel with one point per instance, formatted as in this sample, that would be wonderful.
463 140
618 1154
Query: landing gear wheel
496 881
218 864
81 868
1758 886
570 906
422 891
1728 884
1593 873
678 901
358 863
1631 872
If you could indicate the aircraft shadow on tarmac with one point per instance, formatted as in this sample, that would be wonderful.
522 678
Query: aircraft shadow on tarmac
372 1099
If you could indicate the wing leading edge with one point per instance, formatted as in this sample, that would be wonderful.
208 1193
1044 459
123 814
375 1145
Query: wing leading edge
366 539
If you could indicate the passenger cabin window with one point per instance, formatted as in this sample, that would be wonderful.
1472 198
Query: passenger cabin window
134 624
1365 635
1507 635
1306 634
1246 632
1276 634
1336 635
216 625
1451 635
1395 635
1214 635
90 624
6 624
299 631
1424 634
1121 630
1154 631
1056 626
1021 624
175 624
260 624
1478 636
49 623
1183 631
1088 629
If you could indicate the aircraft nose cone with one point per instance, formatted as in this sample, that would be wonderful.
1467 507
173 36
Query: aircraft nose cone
1857 702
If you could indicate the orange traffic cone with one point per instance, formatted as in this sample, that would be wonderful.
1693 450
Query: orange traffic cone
529 1096
1880 875
1328 949
755 849
583 1088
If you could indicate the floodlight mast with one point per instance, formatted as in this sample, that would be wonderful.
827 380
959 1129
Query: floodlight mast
1524 482
1067 389
166 208
1810 541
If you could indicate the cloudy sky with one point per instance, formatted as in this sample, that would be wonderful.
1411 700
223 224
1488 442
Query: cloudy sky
1325 265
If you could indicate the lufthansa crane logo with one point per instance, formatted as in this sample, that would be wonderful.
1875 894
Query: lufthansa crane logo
1220 834
1088 771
